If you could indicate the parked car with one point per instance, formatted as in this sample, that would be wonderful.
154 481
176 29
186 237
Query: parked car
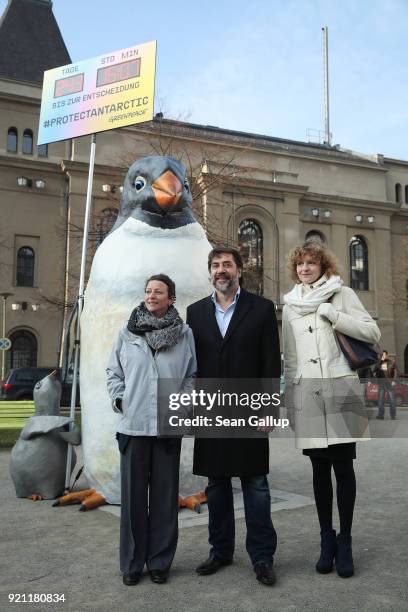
400 390
19 384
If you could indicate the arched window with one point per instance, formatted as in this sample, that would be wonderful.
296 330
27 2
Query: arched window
25 267
12 140
315 236
398 192
250 241
23 351
104 222
28 142
358 263
42 150
406 194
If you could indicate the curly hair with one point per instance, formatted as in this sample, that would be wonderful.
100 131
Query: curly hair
317 252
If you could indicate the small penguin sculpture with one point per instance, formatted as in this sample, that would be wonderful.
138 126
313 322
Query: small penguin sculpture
38 459
155 232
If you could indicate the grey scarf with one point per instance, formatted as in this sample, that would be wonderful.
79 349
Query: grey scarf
160 332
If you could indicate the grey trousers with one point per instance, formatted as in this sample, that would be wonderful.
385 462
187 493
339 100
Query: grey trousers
149 511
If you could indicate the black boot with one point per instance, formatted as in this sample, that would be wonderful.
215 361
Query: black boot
344 556
327 552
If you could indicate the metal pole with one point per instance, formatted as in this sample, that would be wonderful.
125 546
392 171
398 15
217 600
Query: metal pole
3 358
326 85
80 300
4 295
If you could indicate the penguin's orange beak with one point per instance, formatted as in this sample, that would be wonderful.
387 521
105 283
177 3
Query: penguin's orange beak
167 190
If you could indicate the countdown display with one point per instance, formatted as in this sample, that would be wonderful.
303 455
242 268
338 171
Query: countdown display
118 72
70 85
103 93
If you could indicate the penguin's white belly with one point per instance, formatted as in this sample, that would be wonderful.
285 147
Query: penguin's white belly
121 265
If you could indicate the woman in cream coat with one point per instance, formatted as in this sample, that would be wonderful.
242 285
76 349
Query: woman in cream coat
323 394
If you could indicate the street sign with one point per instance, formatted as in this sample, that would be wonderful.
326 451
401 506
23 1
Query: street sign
5 344
98 94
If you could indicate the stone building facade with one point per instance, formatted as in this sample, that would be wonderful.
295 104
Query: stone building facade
261 193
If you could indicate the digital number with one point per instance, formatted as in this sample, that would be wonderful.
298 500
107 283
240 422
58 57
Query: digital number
118 72
70 85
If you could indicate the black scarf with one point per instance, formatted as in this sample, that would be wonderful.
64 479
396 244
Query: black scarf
160 332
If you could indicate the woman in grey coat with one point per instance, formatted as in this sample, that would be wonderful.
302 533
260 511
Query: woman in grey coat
323 392
155 344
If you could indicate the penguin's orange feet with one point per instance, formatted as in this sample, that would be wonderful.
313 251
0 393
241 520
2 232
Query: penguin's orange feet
95 500
35 497
73 498
201 496
193 502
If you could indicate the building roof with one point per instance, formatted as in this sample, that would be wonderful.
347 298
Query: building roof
283 145
30 41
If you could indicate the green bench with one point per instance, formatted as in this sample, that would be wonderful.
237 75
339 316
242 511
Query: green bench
13 415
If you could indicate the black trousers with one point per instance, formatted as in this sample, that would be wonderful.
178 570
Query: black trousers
149 511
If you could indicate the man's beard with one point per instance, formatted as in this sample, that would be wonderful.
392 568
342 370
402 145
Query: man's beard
226 287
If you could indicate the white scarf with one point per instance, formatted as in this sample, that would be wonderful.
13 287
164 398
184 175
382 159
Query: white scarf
310 302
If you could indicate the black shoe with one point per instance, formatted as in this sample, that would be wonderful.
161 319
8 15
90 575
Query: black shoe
212 565
158 576
265 573
381 418
131 579
327 552
344 556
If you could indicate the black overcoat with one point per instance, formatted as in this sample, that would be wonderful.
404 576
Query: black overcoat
250 349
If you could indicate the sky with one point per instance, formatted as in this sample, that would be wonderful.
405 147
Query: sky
258 66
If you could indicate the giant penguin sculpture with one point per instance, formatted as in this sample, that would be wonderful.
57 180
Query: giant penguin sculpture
39 457
155 233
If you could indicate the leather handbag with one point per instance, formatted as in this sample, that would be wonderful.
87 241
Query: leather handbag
359 354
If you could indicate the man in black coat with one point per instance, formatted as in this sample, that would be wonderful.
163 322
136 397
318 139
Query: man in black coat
236 336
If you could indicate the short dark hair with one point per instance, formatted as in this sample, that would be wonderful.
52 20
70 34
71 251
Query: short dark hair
385 351
171 286
219 250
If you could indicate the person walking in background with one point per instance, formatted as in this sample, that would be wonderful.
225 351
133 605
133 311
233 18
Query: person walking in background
386 372
154 344
236 336
322 390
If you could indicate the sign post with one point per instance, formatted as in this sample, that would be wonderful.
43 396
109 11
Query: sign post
4 340
96 95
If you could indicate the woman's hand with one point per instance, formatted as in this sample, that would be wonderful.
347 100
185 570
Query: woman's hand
328 311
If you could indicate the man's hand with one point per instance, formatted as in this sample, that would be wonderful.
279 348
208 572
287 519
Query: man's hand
328 311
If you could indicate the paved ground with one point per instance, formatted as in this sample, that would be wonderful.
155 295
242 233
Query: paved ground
59 550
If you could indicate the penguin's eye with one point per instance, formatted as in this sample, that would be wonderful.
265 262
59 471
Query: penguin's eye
186 185
140 183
